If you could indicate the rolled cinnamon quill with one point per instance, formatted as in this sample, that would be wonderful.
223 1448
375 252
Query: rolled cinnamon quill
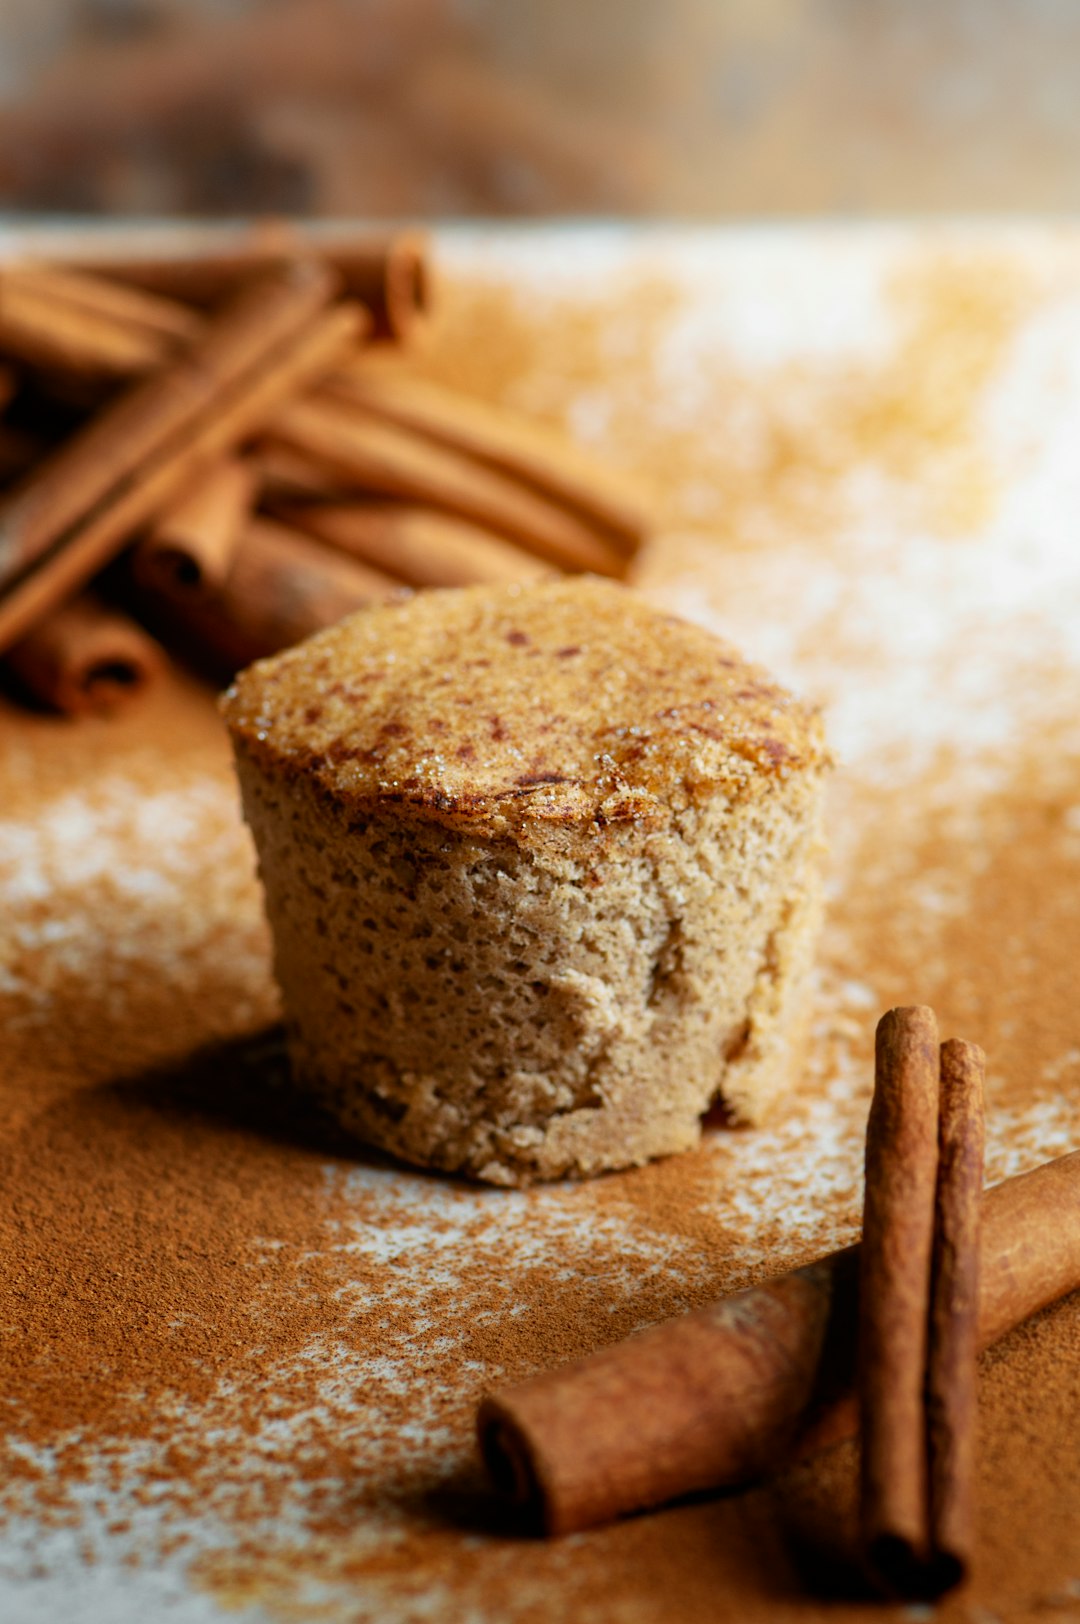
548 462
416 545
59 337
167 320
286 475
51 573
382 459
390 273
86 659
954 1318
84 329
67 322
281 587
894 1293
191 546
728 1393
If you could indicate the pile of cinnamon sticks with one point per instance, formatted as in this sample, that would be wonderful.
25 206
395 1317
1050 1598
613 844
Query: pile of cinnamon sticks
883 1336
230 451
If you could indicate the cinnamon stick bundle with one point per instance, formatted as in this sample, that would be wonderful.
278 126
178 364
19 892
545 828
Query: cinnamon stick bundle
230 413
281 587
416 545
541 458
389 273
112 448
727 1393
897 1252
85 659
451 492
380 459
87 326
191 546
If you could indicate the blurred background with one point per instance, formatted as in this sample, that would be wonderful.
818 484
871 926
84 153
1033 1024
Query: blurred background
384 108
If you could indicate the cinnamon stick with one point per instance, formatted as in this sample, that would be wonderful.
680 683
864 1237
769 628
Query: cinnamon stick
229 417
96 462
287 475
390 273
897 1250
164 319
728 1393
86 659
954 1314
418 546
84 327
60 337
281 587
381 459
548 462
192 544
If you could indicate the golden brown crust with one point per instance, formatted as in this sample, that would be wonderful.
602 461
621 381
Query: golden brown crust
571 703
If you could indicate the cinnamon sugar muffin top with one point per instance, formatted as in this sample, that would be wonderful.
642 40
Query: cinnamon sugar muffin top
571 702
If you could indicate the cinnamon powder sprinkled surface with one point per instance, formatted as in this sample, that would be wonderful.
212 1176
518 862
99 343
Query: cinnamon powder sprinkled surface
240 1357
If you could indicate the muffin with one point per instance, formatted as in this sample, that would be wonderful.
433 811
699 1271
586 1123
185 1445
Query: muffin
542 866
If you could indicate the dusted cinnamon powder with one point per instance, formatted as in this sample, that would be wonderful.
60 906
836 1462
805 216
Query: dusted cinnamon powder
241 1357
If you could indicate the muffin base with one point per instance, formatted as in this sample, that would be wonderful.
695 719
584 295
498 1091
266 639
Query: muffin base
520 1012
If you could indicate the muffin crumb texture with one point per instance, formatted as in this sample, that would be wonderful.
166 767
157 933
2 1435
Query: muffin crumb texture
543 871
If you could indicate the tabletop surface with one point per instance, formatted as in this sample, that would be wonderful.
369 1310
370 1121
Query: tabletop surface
864 447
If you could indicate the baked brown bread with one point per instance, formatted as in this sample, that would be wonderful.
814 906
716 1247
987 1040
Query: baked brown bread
543 870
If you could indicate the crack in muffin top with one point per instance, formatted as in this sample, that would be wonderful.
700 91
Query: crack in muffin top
571 701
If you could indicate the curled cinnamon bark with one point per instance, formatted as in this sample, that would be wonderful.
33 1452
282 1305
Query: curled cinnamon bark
164 319
287 475
86 659
499 439
390 272
58 338
84 326
954 1314
281 587
897 1251
416 545
192 544
382 459
716 1397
